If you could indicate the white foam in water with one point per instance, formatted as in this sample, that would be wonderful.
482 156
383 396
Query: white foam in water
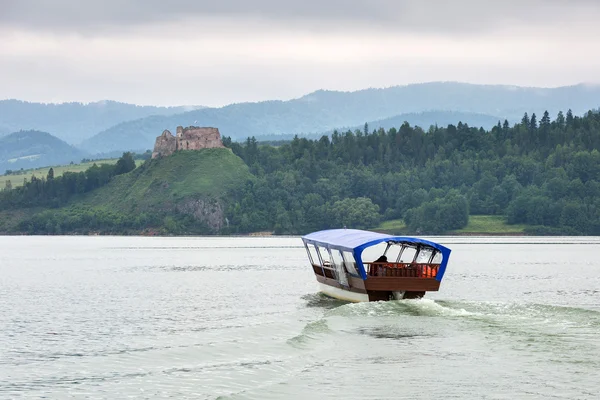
422 307
430 306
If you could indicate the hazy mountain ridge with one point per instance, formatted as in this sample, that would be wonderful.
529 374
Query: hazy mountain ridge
323 111
423 119
466 97
74 122
428 118
32 149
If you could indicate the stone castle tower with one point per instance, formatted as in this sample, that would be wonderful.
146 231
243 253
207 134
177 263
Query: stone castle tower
190 138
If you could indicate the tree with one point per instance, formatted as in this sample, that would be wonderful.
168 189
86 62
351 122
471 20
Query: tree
560 120
533 123
545 121
8 185
125 164
570 118
50 175
359 213
440 215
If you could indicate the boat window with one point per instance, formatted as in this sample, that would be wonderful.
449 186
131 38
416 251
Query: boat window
372 253
424 255
437 258
408 254
350 263
312 254
393 252
336 257
324 255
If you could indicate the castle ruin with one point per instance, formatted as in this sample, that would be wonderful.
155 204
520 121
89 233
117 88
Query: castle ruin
190 138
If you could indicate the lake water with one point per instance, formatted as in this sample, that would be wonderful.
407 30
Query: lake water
240 318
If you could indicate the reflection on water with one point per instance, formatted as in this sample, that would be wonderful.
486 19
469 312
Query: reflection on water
240 318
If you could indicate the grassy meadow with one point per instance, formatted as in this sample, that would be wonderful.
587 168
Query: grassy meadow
489 224
478 224
165 181
16 179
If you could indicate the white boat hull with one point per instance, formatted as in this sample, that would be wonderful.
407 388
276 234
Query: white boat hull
342 294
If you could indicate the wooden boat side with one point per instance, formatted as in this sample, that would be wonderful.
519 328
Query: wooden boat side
375 287
387 283
334 283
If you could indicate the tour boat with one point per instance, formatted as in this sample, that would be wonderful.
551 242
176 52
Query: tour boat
356 265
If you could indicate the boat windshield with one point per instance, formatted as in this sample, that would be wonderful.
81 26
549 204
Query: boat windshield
402 253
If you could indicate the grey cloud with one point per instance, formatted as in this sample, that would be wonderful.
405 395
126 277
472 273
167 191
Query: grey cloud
91 16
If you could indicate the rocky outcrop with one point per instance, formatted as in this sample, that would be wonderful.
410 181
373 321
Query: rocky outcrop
207 211
190 138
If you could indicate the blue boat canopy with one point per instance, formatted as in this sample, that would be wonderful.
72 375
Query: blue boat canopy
352 239
355 241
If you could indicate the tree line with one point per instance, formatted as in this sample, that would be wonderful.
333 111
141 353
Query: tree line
545 174
51 191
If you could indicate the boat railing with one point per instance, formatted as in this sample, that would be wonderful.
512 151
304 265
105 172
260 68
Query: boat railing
402 270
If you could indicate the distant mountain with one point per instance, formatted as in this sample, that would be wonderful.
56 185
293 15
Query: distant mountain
33 149
74 122
424 120
323 111
429 118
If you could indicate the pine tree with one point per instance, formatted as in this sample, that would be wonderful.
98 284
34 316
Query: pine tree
570 117
533 123
560 120
545 119
545 123
50 174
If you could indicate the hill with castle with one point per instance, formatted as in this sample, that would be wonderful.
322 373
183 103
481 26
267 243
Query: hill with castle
190 138
184 188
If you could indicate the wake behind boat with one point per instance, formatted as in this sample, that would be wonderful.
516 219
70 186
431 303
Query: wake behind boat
406 268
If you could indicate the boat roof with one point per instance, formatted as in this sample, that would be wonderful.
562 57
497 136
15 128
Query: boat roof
356 239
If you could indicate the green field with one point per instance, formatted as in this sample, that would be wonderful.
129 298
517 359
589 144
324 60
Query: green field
16 179
492 224
393 227
478 224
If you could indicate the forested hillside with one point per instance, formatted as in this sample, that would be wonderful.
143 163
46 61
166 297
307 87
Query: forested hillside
539 172
182 193
32 149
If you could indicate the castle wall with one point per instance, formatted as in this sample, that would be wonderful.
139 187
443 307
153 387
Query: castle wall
191 138
165 145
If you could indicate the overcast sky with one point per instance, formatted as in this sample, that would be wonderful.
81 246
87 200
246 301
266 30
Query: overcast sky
218 52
